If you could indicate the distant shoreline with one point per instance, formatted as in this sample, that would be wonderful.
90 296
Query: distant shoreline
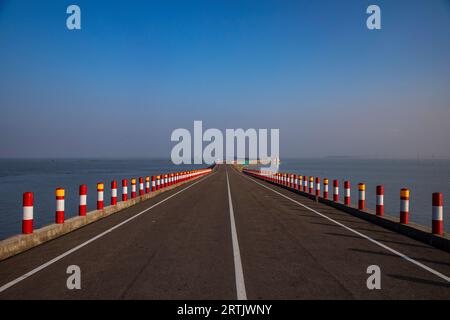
168 159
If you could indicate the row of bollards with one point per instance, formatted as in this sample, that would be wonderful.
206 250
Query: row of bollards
153 184
300 182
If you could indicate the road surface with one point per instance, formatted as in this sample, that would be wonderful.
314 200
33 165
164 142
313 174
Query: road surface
229 236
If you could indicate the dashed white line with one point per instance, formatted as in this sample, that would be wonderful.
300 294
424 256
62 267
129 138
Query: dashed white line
239 274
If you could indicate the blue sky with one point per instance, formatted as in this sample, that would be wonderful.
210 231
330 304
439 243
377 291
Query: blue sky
140 69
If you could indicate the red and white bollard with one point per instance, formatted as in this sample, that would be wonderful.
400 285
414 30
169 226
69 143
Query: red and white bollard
335 190
166 180
147 184
300 183
311 185
133 188
124 190
113 193
380 201
317 186
361 196
158 182
305 183
438 214
59 218
27 218
141 186
347 193
82 208
325 188
100 195
153 184
404 206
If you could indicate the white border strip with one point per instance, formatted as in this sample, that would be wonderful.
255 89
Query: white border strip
401 255
65 254
239 274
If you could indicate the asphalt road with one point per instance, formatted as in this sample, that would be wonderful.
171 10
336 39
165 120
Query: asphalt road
192 244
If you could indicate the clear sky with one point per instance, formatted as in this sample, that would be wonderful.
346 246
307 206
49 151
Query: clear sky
140 69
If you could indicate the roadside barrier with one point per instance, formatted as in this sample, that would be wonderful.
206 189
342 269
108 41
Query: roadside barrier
124 190
347 200
404 206
171 179
361 196
141 186
59 218
438 214
147 184
82 207
325 188
302 186
336 190
133 188
27 219
113 192
100 194
380 201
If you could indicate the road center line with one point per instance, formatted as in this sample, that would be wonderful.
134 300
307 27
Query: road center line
401 255
65 254
239 274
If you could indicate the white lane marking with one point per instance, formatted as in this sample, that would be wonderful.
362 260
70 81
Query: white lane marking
239 274
417 263
65 254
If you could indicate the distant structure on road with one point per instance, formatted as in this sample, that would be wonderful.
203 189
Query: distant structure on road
248 161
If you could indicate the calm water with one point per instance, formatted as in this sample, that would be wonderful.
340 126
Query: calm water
422 177
43 176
